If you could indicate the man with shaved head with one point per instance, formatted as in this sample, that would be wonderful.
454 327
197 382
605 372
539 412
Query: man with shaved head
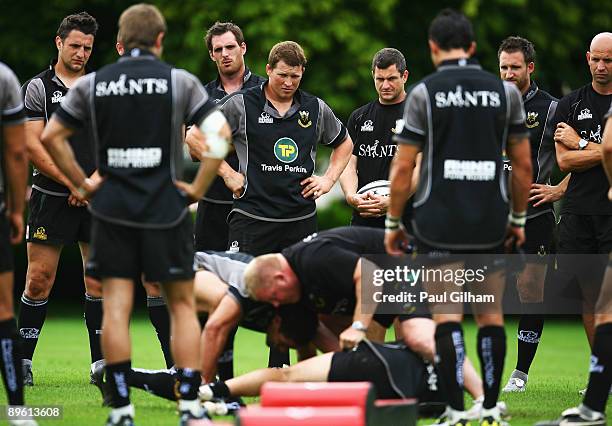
585 226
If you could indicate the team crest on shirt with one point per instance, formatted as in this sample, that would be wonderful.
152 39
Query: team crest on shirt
304 119
40 234
57 97
584 114
532 120
542 251
367 126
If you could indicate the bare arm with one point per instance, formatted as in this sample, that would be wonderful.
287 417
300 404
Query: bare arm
518 151
541 193
40 157
219 324
571 160
325 340
348 181
606 146
319 185
351 336
16 163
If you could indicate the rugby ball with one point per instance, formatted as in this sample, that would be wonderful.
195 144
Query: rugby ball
378 187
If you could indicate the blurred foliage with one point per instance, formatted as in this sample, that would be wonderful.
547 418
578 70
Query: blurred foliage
339 36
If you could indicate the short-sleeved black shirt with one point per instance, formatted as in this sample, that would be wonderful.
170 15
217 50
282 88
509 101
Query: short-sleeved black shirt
276 153
584 111
218 193
371 128
325 264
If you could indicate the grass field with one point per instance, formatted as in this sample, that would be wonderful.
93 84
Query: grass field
61 367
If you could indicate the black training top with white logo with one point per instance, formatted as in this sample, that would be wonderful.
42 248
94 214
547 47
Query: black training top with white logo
229 267
461 117
218 193
11 110
276 153
325 262
584 110
371 128
137 107
43 95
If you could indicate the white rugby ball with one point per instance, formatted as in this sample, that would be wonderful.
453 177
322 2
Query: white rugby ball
378 187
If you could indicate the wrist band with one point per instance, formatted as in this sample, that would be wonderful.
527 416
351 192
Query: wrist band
517 219
392 223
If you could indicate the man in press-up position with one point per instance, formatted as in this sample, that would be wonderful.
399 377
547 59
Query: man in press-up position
137 108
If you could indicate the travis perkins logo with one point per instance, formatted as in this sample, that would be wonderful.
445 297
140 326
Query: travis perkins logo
304 121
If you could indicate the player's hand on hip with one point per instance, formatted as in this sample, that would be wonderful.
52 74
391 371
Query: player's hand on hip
350 337
16 223
566 135
394 241
235 183
514 236
540 194
315 186
196 142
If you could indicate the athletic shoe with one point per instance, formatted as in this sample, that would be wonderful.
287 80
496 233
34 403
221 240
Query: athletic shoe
446 419
26 368
579 416
94 366
185 418
492 421
474 412
516 383
97 378
123 416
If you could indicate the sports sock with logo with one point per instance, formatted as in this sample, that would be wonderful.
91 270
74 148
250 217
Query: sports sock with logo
491 352
450 348
158 314
189 380
117 379
93 321
157 382
10 362
32 314
225 363
529 333
600 372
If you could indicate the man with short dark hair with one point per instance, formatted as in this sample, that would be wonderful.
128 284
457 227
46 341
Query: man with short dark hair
57 213
517 57
13 181
371 128
461 118
137 108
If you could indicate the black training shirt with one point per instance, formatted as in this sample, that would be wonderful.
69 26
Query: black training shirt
461 117
276 153
137 107
218 193
325 263
371 128
43 95
584 110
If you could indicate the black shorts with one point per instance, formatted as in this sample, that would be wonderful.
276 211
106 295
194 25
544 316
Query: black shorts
163 255
395 371
53 221
258 237
385 320
585 234
211 228
6 250
540 233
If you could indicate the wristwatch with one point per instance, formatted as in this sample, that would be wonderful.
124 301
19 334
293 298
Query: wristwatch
582 144
358 325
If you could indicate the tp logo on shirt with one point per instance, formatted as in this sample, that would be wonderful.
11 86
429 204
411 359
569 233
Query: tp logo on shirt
286 150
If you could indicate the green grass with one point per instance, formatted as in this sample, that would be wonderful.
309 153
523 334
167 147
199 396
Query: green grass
61 371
